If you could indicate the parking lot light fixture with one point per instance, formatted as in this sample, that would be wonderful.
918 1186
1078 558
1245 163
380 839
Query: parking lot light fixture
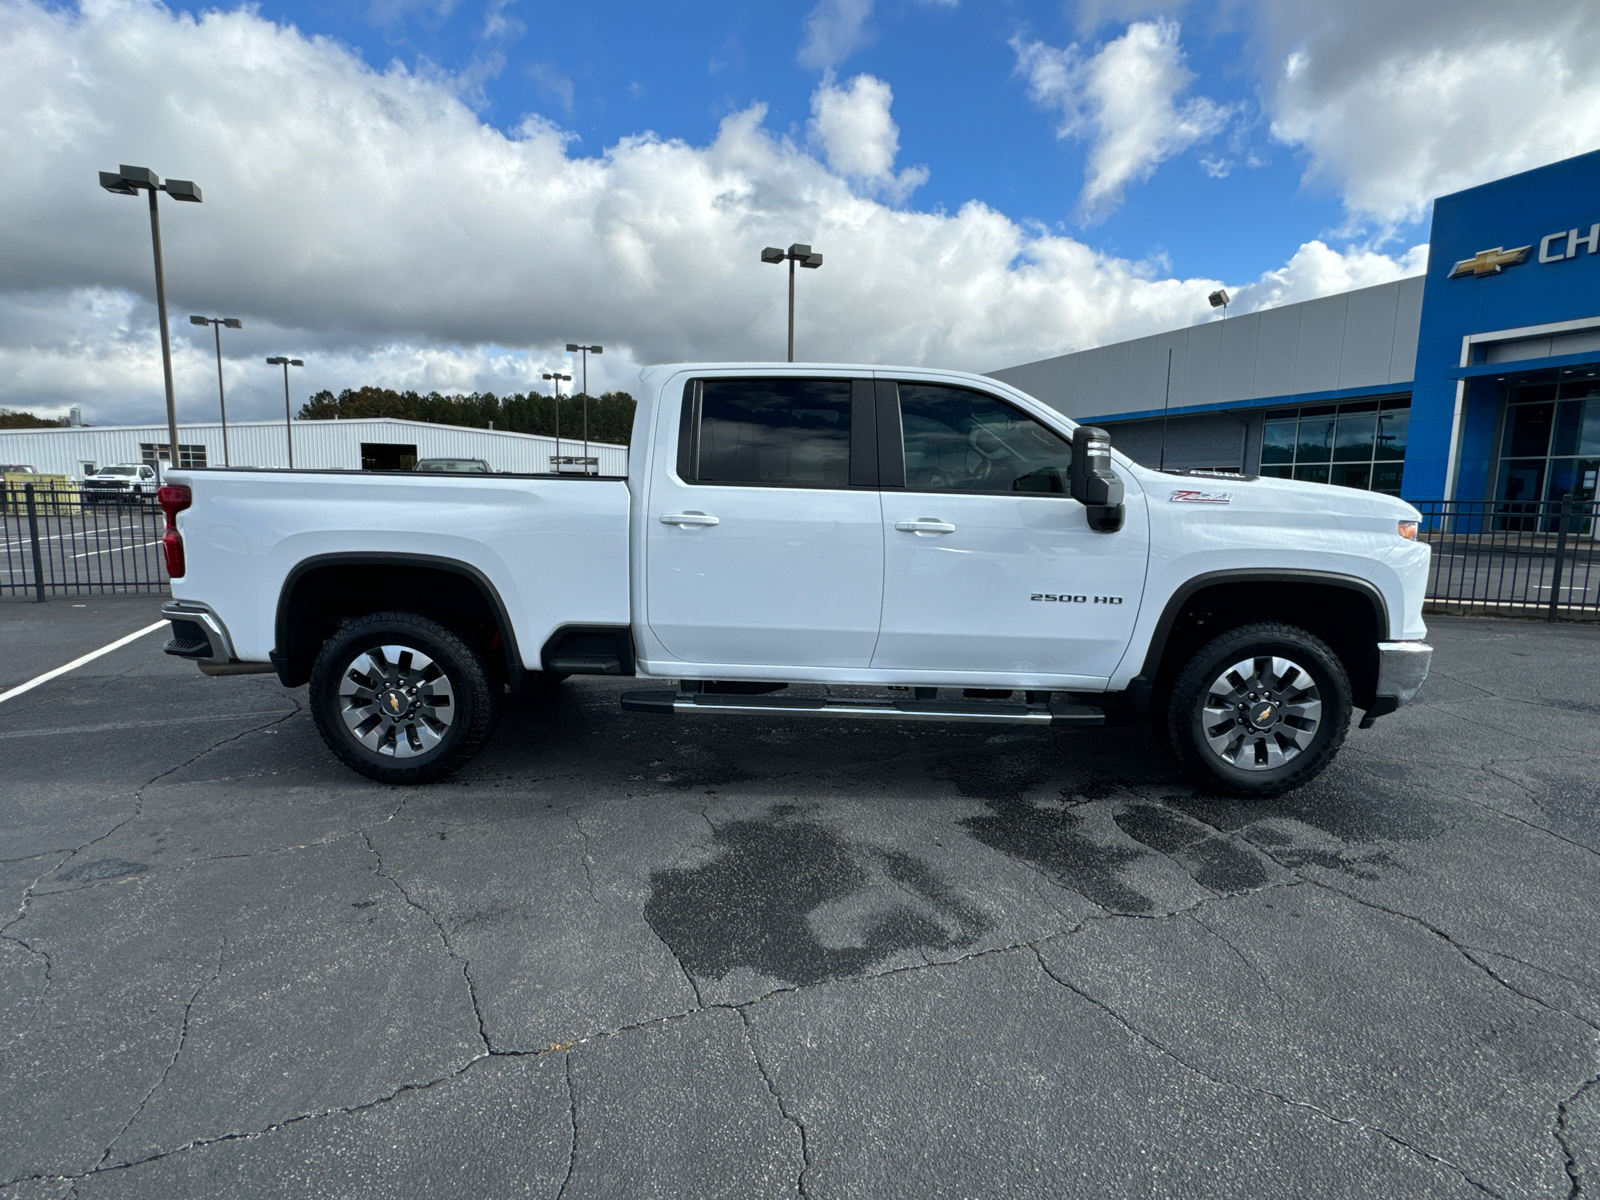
217 323
797 253
130 181
572 347
556 378
288 424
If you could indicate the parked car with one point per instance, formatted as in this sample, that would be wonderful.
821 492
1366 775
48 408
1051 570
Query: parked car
17 469
943 538
457 466
125 483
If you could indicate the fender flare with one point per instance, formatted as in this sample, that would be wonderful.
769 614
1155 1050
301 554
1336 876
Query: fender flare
1364 588
283 660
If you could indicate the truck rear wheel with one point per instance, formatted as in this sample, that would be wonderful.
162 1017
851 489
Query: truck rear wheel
1259 710
401 698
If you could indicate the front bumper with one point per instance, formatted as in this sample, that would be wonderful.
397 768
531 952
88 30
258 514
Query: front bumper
1402 667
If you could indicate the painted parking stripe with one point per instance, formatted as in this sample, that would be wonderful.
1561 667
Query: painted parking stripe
78 662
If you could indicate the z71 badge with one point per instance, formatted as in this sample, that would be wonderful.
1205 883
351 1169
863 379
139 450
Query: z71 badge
1189 497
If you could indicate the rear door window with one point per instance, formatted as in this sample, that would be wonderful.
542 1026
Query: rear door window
773 432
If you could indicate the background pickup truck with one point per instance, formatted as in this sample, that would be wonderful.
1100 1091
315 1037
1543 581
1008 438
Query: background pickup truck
951 547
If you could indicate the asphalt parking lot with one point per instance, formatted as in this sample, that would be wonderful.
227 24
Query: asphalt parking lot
620 956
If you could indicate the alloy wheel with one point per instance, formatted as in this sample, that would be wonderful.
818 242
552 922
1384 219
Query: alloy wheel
396 701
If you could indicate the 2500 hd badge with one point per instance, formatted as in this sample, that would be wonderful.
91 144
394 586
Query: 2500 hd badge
1065 598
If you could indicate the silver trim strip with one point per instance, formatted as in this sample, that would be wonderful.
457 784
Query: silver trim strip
857 712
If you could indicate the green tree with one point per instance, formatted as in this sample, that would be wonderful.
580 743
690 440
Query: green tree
26 420
610 415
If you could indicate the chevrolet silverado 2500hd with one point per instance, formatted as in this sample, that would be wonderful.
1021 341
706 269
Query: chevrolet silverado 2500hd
953 547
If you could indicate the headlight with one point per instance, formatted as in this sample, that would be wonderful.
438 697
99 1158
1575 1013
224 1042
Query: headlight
1408 530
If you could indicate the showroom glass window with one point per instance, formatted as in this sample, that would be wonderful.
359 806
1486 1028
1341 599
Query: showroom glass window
964 441
1359 444
777 432
1550 444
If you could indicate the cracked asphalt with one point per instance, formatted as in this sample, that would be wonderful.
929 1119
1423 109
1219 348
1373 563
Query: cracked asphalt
622 956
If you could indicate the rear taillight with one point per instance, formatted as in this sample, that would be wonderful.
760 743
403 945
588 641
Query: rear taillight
174 499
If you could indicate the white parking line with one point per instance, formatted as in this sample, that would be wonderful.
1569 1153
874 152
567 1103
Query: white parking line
78 662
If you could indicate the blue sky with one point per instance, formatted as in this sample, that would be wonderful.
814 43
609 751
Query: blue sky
440 194
611 70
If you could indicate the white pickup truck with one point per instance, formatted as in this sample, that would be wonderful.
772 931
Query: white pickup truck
910 545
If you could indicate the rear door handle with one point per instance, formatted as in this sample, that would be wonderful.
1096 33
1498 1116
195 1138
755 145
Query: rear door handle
925 525
689 518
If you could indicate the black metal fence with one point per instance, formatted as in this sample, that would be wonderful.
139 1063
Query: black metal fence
59 541
1489 557
1513 558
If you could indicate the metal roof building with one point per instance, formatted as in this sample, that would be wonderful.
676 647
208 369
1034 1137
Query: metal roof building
375 443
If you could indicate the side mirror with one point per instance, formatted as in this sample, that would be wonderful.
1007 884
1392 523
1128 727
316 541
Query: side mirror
1094 484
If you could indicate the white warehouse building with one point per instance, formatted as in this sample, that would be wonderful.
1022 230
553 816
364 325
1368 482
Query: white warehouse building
373 444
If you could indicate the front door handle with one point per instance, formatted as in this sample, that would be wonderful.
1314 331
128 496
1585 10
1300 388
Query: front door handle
925 525
689 518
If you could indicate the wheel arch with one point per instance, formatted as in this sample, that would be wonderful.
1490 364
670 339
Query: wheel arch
330 587
1346 611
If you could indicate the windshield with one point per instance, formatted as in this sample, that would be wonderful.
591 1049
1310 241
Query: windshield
468 465
119 470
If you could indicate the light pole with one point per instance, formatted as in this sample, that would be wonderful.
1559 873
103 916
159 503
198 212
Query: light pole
217 323
1220 299
555 386
129 181
796 253
288 425
587 350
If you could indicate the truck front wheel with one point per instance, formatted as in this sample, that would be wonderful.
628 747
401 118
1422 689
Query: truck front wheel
401 698
1259 710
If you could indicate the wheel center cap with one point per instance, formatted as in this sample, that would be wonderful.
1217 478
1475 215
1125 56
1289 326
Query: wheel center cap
394 702
1263 713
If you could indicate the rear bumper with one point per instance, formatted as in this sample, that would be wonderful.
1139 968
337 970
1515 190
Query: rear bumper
199 635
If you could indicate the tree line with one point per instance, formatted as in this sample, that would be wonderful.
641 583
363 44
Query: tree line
27 420
610 415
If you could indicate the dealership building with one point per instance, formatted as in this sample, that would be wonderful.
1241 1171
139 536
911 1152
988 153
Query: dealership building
1479 380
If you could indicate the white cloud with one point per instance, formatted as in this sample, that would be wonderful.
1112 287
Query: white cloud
1398 103
1318 270
858 137
1123 98
372 224
835 29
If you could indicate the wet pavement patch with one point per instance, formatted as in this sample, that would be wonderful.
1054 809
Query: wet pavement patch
789 898
1047 836
1212 861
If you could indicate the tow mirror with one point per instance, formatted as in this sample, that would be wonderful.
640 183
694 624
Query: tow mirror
1094 484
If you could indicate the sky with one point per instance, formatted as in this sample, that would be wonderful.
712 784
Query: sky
441 194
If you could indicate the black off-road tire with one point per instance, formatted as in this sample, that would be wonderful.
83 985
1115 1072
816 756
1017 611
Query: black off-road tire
475 696
1186 715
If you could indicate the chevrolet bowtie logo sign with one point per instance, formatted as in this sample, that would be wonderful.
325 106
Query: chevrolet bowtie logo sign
1490 262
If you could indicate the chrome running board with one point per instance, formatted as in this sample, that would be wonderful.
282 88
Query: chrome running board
970 711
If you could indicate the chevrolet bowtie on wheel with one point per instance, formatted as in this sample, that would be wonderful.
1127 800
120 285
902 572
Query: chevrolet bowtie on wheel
801 542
